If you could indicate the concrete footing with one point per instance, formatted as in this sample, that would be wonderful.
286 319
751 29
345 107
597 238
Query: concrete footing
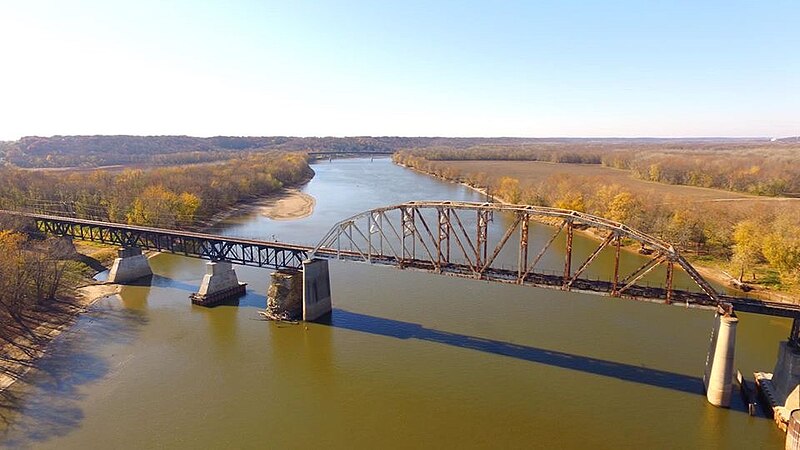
719 373
131 265
781 388
219 285
306 294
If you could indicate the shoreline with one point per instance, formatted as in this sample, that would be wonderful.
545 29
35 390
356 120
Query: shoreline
712 273
291 204
48 330
288 203
250 204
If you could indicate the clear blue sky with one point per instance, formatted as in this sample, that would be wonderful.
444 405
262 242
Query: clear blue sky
410 68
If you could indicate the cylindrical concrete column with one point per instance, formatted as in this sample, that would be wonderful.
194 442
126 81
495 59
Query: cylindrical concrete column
793 431
719 381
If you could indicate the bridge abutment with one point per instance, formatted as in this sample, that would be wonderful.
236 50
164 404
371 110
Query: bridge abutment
219 285
130 265
719 372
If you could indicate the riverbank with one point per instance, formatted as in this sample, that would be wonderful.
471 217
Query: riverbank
289 203
21 355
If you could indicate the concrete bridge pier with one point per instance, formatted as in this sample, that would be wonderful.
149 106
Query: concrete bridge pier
302 293
719 372
219 285
130 265
316 289
781 388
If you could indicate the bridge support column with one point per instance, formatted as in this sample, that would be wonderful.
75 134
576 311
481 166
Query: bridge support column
781 388
316 289
285 294
219 285
131 265
719 372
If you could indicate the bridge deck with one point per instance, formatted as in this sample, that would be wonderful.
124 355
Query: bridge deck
281 255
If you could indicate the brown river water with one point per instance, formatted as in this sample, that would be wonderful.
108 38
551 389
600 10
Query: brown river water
407 359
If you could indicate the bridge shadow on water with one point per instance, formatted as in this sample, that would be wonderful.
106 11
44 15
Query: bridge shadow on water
627 372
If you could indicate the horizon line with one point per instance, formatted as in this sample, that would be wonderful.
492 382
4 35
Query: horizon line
696 137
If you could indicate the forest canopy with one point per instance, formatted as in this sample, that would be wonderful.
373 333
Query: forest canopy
178 196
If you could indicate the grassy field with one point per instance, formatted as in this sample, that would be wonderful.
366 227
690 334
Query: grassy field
537 171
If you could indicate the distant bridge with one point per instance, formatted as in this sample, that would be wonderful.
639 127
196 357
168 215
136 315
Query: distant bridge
351 152
450 238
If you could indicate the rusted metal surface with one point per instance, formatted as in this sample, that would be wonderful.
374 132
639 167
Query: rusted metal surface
275 255
475 253
668 283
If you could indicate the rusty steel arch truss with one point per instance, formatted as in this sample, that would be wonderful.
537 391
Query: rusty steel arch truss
454 238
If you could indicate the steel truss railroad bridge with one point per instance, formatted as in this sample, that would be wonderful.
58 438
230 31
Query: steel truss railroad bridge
452 238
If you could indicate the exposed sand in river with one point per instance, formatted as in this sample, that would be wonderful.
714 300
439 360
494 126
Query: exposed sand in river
288 205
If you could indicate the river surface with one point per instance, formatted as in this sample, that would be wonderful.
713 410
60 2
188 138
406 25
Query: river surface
408 360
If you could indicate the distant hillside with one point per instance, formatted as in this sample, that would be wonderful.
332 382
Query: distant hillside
93 151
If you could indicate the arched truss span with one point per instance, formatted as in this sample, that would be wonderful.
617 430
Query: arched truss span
463 239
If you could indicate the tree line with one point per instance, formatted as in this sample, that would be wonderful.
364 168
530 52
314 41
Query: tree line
755 167
94 151
176 196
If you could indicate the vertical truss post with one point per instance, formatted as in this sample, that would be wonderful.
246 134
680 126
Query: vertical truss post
443 241
369 238
480 250
380 230
615 282
522 263
407 229
568 251
669 281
